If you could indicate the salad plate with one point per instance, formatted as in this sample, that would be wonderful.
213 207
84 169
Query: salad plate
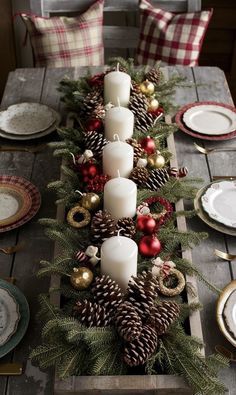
9 315
33 204
24 317
22 137
26 118
219 202
210 119
15 203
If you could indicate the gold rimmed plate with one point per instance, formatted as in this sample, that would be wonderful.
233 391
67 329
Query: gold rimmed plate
15 202
226 312
204 216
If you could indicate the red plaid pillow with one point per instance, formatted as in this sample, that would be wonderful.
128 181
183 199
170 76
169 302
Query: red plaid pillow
68 42
172 38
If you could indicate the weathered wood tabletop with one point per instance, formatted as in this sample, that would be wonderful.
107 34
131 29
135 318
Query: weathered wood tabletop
40 85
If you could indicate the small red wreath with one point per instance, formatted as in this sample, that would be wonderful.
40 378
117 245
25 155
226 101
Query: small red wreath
166 213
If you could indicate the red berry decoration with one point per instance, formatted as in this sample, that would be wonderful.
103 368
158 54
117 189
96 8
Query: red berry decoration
146 224
149 246
94 125
88 171
148 144
97 80
157 112
97 183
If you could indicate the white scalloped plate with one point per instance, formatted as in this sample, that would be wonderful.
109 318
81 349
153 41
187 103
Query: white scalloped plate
9 315
210 119
26 118
219 201
221 312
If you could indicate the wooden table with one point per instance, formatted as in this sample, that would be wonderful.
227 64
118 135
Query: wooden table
40 85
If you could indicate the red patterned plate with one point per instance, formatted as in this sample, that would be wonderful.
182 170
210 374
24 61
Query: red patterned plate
185 129
31 190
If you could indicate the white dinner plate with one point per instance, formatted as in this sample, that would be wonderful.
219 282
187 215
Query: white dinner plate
219 201
26 118
35 135
9 315
229 313
210 119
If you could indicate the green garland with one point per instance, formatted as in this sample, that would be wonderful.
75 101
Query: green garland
70 346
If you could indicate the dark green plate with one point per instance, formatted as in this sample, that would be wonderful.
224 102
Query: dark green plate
24 320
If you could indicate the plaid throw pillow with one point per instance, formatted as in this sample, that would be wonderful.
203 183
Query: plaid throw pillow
68 42
172 38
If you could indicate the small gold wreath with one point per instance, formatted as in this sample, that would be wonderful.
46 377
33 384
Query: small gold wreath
78 210
172 291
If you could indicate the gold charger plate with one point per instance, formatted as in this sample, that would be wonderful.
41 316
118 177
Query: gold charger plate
15 202
231 287
204 216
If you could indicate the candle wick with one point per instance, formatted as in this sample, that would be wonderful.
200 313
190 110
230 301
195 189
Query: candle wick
118 233
77 191
116 137
73 157
118 101
118 67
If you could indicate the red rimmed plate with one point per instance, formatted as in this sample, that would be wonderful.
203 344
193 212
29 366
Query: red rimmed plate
181 125
31 190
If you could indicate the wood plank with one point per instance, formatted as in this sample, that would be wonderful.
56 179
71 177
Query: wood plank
203 255
38 246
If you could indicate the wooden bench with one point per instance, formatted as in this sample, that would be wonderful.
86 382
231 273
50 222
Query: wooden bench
121 19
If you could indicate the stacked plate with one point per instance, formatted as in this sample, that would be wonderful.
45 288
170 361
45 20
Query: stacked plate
25 121
14 317
19 202
208 120
226 312
215 204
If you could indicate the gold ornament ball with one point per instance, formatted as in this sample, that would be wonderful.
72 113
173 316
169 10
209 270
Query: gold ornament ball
90 201
147 88
81 278
156 161
153 105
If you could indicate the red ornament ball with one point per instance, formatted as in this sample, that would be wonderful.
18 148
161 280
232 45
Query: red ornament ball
149 246
89 171
157 112
97 183
94 125
146 224
148 144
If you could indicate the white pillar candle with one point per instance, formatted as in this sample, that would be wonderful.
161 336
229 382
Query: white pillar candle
120 197
119 256
117 158
117 88
119 120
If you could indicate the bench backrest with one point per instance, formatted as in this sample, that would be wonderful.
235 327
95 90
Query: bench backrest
121 19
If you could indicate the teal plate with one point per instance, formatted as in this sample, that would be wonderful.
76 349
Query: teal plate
24 320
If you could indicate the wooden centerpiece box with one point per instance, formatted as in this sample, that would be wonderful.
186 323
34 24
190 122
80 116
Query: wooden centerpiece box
118 39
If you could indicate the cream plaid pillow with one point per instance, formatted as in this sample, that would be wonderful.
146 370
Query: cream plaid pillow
68 42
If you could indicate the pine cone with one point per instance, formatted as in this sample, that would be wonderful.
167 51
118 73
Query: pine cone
138 150
126 226
154 75
103 226
138 101
139 175
91 314
107 293
128 322
92 100
144 121
141 293
157 178
162 316
95 142
138 351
